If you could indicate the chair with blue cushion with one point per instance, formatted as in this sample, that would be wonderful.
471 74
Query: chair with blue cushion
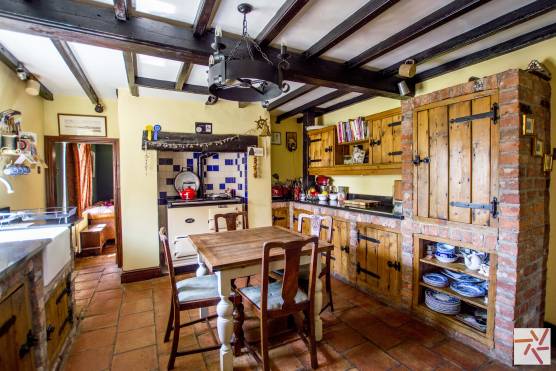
195 293
284 298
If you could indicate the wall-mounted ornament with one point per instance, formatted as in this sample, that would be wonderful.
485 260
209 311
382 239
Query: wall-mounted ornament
82 125
407 68
527 124
538 147
291 140
537 68
262 127
255 151
276 138
547 163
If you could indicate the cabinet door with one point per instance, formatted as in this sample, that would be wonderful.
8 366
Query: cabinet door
52 326
280 217
327 147
463 164
386 140
375 156
306 226
315 149
343 263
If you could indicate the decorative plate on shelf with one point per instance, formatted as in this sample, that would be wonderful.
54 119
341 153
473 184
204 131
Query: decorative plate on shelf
467 289
435 279
442 303
461 277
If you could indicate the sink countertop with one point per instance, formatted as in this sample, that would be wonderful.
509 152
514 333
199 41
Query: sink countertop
385 210
13 253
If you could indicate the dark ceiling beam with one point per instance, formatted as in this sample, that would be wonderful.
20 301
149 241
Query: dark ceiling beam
354 22
344 104
120 10
291 96
89 24
183 75
12 62
509 46
436 19
72 63
170 85
312 105
204 14
490 28
130 61
285 14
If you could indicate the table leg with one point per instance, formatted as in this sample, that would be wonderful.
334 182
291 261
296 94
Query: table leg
318 302
201 271
224 323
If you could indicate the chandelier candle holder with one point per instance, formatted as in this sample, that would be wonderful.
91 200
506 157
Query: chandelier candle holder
242 77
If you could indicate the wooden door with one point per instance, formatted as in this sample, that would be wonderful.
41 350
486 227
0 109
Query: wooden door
385 137
52 327
315 149
343 264
306 226
376 136
15 325
328 140
280 217
459 142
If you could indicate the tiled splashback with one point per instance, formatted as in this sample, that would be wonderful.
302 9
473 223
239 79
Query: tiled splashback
222 171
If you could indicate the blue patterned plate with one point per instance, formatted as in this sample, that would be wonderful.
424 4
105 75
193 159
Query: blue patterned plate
435 279
468 290
461 277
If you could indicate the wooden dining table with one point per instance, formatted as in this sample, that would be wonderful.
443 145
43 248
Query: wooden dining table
235 254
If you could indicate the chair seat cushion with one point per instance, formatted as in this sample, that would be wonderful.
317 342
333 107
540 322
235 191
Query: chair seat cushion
275 301
198 288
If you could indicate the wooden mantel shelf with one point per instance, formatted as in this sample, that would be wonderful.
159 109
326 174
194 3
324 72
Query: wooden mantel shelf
363 169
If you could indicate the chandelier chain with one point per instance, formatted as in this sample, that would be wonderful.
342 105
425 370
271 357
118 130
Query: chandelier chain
245 37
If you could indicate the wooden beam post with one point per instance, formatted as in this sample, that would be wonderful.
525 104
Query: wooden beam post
130 60
183 75
120 10
285 14
204 14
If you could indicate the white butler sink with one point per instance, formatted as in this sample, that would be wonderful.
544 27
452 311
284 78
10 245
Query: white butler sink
55 255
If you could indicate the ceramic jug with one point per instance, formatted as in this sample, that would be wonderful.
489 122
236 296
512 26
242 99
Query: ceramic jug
473 260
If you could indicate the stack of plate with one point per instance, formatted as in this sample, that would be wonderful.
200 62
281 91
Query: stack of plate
445 253
469 290
442 303
435 279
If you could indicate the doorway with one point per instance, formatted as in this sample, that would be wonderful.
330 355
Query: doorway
85 172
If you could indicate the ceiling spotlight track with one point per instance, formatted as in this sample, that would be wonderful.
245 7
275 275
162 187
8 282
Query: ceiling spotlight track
241 76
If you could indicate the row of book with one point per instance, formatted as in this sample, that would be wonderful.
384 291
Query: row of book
352 130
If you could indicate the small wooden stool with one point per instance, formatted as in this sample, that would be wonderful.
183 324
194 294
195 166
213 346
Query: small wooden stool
93 237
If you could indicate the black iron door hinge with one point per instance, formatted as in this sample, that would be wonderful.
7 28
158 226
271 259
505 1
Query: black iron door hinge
361 236
317 160
395 153
31 342
314 140
492 114
492 207
7 325
417 160
396 265
395 123
363 270
374 142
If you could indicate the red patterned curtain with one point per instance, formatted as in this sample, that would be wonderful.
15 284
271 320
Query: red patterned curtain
83 166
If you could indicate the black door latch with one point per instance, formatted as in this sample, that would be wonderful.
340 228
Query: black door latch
417 160
396 265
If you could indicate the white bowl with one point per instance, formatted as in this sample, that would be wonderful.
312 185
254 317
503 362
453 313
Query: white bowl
444 259
333 196
323 197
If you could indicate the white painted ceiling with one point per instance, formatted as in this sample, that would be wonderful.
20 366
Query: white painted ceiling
106 71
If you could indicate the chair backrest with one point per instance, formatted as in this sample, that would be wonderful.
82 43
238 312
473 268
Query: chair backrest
316 224
169 262
231 220
290 280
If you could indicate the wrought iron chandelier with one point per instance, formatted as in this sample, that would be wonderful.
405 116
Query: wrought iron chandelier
240 76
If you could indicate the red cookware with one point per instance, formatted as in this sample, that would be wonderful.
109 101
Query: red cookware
188 193
277 191
322 180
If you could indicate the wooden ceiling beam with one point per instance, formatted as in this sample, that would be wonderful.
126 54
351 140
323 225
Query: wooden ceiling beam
204 15
170 85
346 103
483 31
130 61
285 14
183 75
89 24
291 96
120 10
12 62
354 22
312 105
509 46
72 63
436 19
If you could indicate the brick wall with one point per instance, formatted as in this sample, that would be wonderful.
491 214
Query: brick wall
521 239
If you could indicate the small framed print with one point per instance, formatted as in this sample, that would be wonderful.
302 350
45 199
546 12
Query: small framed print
82 125
276 138
291 140
527 124
255 151
538 147
547 163
203 127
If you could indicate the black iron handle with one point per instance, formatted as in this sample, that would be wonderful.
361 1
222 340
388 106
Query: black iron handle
275 218
30 343
7 325
328 149
344 248
66 291
417 160
396 265
375 142
49 330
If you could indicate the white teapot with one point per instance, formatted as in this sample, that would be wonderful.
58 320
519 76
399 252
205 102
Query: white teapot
474 259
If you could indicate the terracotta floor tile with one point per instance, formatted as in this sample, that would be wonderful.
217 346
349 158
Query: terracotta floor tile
84 294
136 320
110 276
415 356
283 358
80 305
366 302
496 366
89 360
185 363
186 342
134 339
424 334
343 338
381 334
99 321
328 359
134 295
108 294
95 339
86 285
103 306
136 360
137 306
391 316
108 285
96 269
356 316
462 355
88 277
368 357
113 269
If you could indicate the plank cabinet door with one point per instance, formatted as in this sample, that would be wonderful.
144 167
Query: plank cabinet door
280 217
378 262
328 141
344 258
306 226
315 149
460 160
386 140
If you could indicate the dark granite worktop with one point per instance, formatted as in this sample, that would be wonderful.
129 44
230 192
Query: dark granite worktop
12 254
19 224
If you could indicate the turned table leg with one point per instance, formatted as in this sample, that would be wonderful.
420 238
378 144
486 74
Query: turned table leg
318 302
201 271
224 322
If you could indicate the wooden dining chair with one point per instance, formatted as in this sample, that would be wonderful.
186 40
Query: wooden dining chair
284 298
195 293
317 226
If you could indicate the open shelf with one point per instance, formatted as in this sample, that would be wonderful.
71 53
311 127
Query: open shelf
361 141
451 322
456 266
477 302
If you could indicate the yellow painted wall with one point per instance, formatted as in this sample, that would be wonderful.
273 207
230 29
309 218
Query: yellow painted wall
139 186
289 165
79 106
29 189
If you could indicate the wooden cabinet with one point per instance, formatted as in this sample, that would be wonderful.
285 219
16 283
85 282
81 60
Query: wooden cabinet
306 227
280 217
16 337
321 147
456 159
378 266
59 318
344 259
385 143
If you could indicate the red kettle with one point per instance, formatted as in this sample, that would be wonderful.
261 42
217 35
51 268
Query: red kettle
188 194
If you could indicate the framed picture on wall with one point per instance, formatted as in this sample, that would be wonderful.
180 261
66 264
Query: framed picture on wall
291 140
82 125
276 137
538 147
527 125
